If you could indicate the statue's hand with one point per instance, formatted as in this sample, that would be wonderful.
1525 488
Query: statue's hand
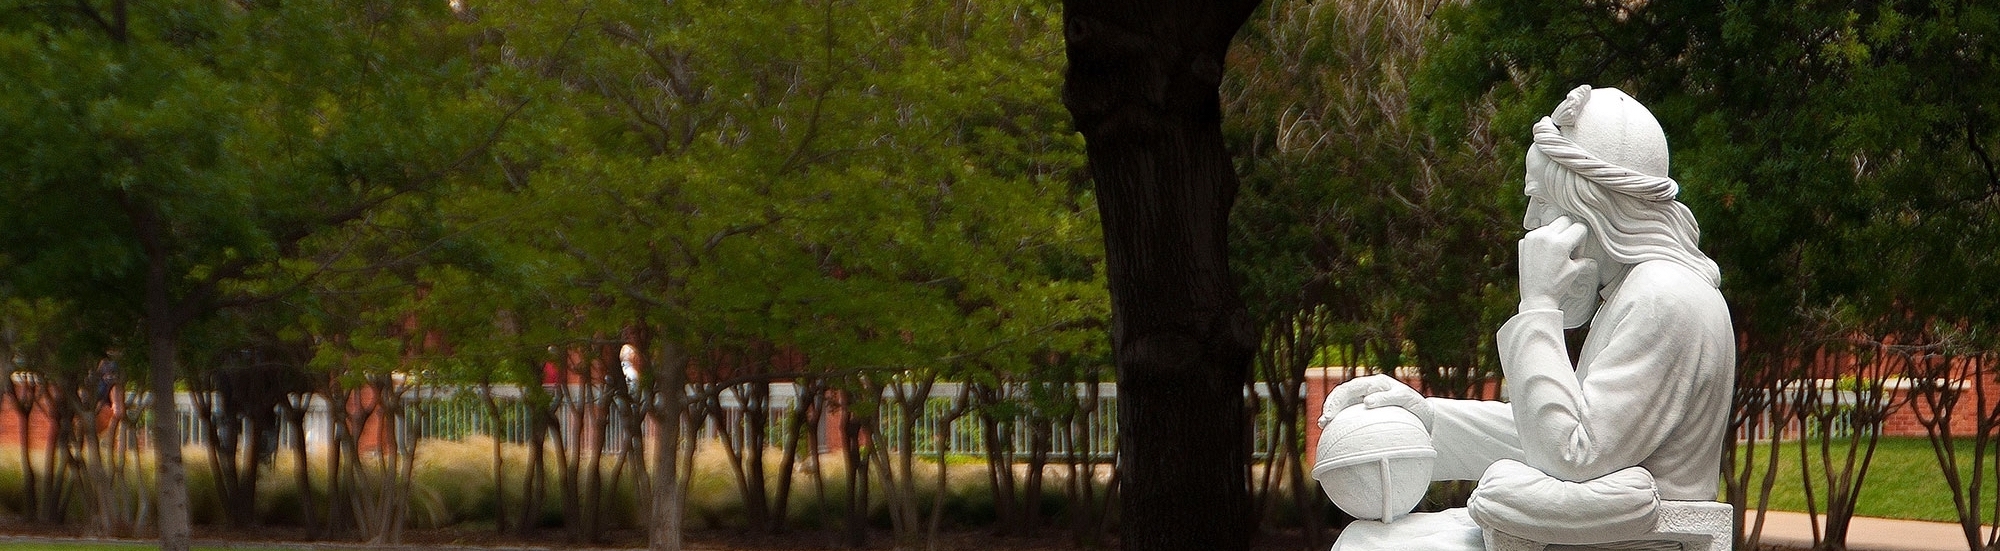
1375 391
1547 264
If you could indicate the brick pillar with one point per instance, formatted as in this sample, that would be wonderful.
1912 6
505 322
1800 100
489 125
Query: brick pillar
371 436
1319 381
39 426
10 423
831 423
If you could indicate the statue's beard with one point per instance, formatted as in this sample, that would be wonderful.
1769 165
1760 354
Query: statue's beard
1579 302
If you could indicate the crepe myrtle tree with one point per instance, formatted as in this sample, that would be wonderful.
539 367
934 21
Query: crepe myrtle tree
173 159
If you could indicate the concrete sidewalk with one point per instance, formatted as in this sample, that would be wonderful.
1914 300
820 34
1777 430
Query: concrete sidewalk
1868 534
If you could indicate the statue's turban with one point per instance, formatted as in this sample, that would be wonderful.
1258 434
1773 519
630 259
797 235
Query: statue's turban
1606 137
1613 176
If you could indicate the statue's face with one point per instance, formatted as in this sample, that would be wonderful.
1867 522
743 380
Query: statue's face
1579 303
1540 210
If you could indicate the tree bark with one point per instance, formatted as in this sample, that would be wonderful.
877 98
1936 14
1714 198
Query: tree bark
163 345
803 418
1142 87
535 479
664 530
999 458
295 414
162 324
855 533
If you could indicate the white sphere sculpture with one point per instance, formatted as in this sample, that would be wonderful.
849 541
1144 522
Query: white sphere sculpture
1375 464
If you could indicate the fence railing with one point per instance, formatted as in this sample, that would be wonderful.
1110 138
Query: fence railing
1076 425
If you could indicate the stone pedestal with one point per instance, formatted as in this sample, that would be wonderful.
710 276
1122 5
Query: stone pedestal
1688 525
1448 530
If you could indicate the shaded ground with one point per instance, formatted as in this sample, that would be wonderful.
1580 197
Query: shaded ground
16 534
13 530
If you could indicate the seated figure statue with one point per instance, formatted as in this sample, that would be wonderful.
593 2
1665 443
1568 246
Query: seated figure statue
1623 448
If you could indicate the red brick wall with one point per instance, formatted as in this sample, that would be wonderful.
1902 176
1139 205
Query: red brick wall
1906 419
39 425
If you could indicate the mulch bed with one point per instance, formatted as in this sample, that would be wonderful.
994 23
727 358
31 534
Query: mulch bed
17 530
14 529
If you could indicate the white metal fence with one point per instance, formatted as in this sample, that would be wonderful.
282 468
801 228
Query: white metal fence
456 413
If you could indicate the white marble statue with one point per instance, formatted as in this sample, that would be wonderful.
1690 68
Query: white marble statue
1623 449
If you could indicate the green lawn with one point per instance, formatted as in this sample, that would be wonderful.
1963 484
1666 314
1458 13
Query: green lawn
1904 481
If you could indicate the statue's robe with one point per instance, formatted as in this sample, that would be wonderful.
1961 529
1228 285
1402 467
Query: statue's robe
1652 388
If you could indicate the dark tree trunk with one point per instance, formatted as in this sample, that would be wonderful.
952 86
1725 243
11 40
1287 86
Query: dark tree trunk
535 480
667 508
1040 436
756 408
295 415
856 525
1142 88
338 410
999 436
804 417
62 434
499 421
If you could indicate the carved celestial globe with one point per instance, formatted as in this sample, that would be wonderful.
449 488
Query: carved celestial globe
1375 464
